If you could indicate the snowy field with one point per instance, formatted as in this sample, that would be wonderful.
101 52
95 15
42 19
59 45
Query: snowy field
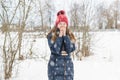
104 64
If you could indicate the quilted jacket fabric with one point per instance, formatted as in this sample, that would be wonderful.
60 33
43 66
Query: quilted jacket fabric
60 67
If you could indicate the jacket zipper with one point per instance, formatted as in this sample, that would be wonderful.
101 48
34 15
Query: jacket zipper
64 70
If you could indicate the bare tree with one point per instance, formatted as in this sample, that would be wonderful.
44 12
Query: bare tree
10 45
45 10
115 7
100 19
74 15
50 9
41 9
87 16
109 19
109 15
82 16
74 24
24 9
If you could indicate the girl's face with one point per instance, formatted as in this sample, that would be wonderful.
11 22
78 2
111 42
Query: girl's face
62 25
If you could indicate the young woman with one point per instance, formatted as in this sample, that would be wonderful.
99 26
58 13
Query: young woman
61 43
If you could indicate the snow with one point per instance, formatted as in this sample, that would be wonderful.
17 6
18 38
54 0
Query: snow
90 70
106 45
102 65
84 70
32 70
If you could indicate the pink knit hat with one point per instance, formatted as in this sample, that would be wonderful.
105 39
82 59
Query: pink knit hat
61 17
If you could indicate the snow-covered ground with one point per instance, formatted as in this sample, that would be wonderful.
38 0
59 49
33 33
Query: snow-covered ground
84 70
104 64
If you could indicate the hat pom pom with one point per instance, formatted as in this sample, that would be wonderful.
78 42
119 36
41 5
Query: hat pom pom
61 12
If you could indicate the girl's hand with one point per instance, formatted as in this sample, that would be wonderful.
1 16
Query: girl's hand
64 31
61 33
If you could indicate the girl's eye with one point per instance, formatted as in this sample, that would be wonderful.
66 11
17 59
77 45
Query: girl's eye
60 24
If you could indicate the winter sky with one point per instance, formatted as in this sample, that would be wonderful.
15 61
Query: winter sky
65 4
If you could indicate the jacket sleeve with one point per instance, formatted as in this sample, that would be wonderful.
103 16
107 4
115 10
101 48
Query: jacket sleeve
55 46
70 47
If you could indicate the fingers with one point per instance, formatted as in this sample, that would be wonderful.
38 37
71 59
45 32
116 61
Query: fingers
62 31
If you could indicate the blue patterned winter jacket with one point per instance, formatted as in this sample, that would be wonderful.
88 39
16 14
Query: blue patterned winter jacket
60 67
